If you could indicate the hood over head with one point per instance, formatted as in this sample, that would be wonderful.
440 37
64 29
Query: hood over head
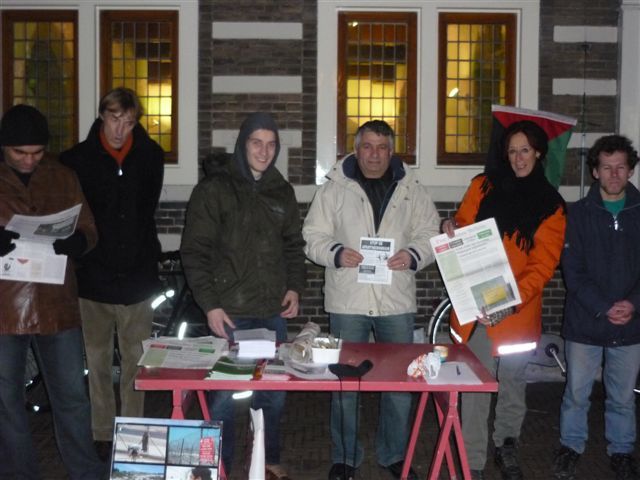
255 121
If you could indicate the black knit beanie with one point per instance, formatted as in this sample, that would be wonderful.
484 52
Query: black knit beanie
23 125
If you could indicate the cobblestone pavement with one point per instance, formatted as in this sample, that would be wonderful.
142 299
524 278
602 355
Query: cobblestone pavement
306 445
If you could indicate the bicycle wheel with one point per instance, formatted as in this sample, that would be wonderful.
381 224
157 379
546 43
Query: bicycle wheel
438 326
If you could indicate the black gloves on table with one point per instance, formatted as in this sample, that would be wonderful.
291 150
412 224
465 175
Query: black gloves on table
73 246
6 241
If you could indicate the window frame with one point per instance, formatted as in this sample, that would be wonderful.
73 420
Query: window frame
444 19
411 19
9 17
109 16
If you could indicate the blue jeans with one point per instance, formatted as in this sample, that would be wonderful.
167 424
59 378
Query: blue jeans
393 418
62 367
222 406
620 372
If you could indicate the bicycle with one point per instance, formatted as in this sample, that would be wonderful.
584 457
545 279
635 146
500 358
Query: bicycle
181 318
184 318
548 352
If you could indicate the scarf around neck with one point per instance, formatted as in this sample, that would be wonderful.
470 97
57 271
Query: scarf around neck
519 205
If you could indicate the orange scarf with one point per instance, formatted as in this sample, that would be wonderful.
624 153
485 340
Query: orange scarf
118 155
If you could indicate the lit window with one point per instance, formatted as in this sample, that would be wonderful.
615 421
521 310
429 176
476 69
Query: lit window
377 77
140 52
476 70
39 48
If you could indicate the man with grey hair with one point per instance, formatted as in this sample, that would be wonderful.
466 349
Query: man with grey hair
370 193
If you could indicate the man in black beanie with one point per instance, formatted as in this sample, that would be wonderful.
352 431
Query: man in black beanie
44 316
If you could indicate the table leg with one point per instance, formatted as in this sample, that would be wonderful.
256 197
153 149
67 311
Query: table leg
202 400
415 431
447 410
178 399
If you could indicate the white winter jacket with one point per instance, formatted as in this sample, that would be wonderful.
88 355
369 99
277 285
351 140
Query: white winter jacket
341 213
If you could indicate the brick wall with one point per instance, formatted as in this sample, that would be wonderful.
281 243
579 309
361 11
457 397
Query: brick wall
592 60
299 111
170 219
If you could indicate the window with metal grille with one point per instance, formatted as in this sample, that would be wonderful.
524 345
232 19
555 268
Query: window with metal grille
377 77
39 52
477 55
139 50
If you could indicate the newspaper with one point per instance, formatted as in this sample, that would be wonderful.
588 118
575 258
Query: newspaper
172 352
34 259
376 252
476 270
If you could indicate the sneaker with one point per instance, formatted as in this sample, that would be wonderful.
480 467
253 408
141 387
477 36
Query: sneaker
625 466
396 470
275 472
564 464
506 458
341 471
477 474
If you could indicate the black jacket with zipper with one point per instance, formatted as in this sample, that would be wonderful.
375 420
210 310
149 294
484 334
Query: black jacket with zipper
123 268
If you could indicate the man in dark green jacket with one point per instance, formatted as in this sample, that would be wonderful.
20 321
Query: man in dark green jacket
242 253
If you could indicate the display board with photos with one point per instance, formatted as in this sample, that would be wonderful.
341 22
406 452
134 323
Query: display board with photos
164 449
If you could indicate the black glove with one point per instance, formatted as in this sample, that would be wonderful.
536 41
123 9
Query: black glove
73 246
6 244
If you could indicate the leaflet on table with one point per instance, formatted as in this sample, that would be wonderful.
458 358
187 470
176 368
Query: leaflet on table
231 367
454 373
376 252
476 270
255 343
172 352
33 259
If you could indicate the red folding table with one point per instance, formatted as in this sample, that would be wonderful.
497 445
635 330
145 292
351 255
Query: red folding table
389 374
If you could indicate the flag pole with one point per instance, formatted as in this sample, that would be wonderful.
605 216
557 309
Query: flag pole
583 140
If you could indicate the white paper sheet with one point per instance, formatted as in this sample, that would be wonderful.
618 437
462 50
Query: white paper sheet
476 270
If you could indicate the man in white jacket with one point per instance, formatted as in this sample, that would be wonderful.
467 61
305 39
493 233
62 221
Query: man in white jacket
370 193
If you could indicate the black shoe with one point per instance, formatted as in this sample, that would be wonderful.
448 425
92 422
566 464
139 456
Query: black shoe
477 474
625 466
564 465
506 458
396 470
104 450
341 471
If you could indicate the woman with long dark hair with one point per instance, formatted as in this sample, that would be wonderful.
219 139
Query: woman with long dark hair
531 217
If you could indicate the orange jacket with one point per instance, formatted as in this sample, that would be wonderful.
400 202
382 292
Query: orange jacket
521 331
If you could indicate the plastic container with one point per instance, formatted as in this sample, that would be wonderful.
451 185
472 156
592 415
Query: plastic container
325 355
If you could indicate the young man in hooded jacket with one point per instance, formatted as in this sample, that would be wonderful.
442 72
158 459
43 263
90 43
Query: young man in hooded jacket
242 253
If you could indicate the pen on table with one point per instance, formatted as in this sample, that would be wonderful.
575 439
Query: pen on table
457 370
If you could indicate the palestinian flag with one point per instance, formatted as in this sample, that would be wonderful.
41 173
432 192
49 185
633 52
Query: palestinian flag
557 127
